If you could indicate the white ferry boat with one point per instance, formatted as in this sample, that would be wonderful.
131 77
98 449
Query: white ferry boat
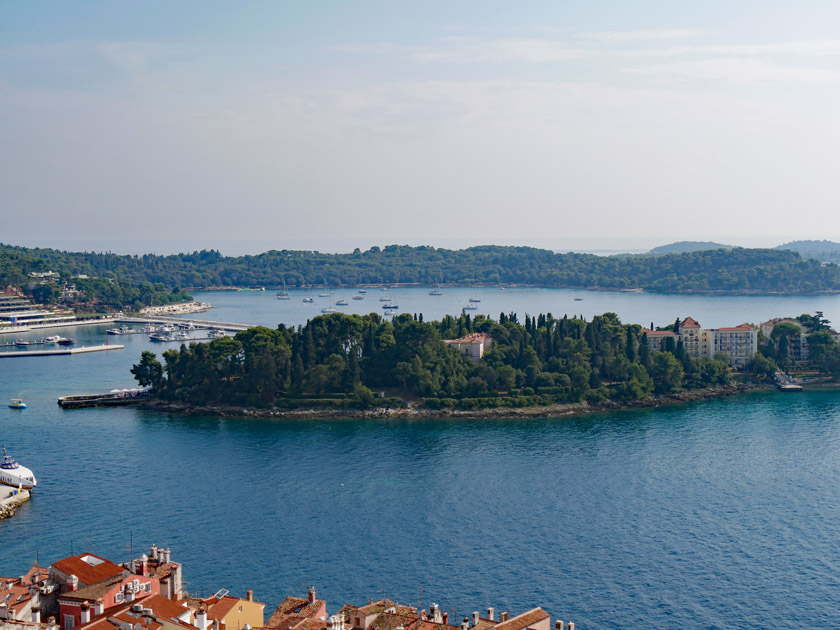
14 475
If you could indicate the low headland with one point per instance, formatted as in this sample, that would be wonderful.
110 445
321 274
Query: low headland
356 366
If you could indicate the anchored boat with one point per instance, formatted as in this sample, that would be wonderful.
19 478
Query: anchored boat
14 475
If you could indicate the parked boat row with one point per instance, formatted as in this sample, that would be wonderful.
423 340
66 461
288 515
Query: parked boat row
54 339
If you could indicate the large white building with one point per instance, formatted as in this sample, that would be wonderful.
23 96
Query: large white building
740 343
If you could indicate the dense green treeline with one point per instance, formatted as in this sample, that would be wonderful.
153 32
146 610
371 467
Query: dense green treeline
737 270
340 360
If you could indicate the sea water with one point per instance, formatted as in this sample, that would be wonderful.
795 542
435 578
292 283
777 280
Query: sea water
719 514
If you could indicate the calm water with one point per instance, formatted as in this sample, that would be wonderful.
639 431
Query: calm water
722 514
262 307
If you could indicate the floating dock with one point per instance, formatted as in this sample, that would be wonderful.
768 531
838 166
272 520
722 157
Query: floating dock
59 351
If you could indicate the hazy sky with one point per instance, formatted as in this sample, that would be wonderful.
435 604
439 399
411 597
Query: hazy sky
325 125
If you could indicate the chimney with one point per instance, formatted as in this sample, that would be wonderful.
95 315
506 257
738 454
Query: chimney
571 625
85 615
153 552
72 583
3 612
36 614
249 595
98 607
167 555
559 625
423 615
446 618
465 624
504 616
491 612
144 564
475 618
311 594
201 618
129 592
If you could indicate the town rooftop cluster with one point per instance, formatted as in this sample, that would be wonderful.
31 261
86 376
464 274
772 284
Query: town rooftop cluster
89 592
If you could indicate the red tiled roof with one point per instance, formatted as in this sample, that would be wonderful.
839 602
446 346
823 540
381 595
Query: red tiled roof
689 322
129 617
164 607
471 338
292 611
222 607
87 573
742 327
524 620
93 592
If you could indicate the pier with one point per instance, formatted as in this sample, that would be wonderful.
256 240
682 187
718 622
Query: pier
10 499
59 351
198 323
113 399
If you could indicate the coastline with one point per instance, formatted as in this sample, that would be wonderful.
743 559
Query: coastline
549 411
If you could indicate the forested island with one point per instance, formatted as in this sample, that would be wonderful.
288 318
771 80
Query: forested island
112 277
344 361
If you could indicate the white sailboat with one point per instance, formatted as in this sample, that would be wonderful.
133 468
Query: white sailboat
284 294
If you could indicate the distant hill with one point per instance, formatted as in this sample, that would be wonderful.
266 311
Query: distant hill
824 251
681 247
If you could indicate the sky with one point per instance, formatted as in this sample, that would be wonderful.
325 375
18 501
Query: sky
173 126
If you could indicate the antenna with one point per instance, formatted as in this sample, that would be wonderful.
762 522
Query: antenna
131 545
420 605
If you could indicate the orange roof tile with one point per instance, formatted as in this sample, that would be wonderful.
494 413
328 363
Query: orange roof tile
689 322
87 572
164 607
742 327
524 620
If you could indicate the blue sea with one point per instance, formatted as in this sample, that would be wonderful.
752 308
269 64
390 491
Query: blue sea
719 514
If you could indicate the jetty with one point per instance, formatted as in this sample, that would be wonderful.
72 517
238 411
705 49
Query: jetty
10 499
59 351
198 323
112 399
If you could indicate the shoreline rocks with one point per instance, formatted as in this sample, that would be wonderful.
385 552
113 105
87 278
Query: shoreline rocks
548 411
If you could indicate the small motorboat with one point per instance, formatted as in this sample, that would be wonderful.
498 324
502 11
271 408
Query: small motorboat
17 403
66 341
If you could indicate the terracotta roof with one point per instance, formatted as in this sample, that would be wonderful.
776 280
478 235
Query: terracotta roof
93 592
221 608
471 338
132 618
292 611
524 620
742 327
86 572
164 607
689 322
312 624
377 607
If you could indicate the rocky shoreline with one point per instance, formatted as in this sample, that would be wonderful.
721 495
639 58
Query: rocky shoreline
548 411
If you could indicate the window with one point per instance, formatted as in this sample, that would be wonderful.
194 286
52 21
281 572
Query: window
147 587
69 621
119 598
